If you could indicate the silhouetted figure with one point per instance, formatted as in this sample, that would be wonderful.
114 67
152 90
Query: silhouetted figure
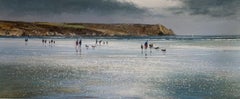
80 43
26 39
76 43
76 47
151 46
100 42
51 41
141 49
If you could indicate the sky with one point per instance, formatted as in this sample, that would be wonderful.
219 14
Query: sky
184 17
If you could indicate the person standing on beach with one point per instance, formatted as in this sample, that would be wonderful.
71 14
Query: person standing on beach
141 46
26 39
43 41
146 44
76 46
76 43
80 42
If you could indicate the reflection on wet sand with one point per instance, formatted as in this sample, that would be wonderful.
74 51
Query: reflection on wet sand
195 86
25 81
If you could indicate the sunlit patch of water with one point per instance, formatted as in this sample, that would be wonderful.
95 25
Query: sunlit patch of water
188 69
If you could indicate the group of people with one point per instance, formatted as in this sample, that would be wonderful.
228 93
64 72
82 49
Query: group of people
44 41
50 42
78 44
146 45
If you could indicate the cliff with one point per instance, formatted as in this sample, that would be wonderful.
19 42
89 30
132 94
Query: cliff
13 28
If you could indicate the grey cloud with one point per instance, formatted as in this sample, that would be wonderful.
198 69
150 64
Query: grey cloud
49 7
213 8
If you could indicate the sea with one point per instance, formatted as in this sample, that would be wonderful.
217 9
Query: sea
192 67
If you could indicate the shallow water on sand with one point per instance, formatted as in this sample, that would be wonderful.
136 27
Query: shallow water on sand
189 69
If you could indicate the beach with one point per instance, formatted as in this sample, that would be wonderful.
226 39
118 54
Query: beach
189 69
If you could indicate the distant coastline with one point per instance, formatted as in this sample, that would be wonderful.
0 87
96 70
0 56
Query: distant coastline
166 37
40 29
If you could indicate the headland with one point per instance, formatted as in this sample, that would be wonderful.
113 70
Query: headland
18 29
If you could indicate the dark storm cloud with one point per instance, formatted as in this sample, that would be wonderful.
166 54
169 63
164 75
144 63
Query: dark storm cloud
49 7
214 8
